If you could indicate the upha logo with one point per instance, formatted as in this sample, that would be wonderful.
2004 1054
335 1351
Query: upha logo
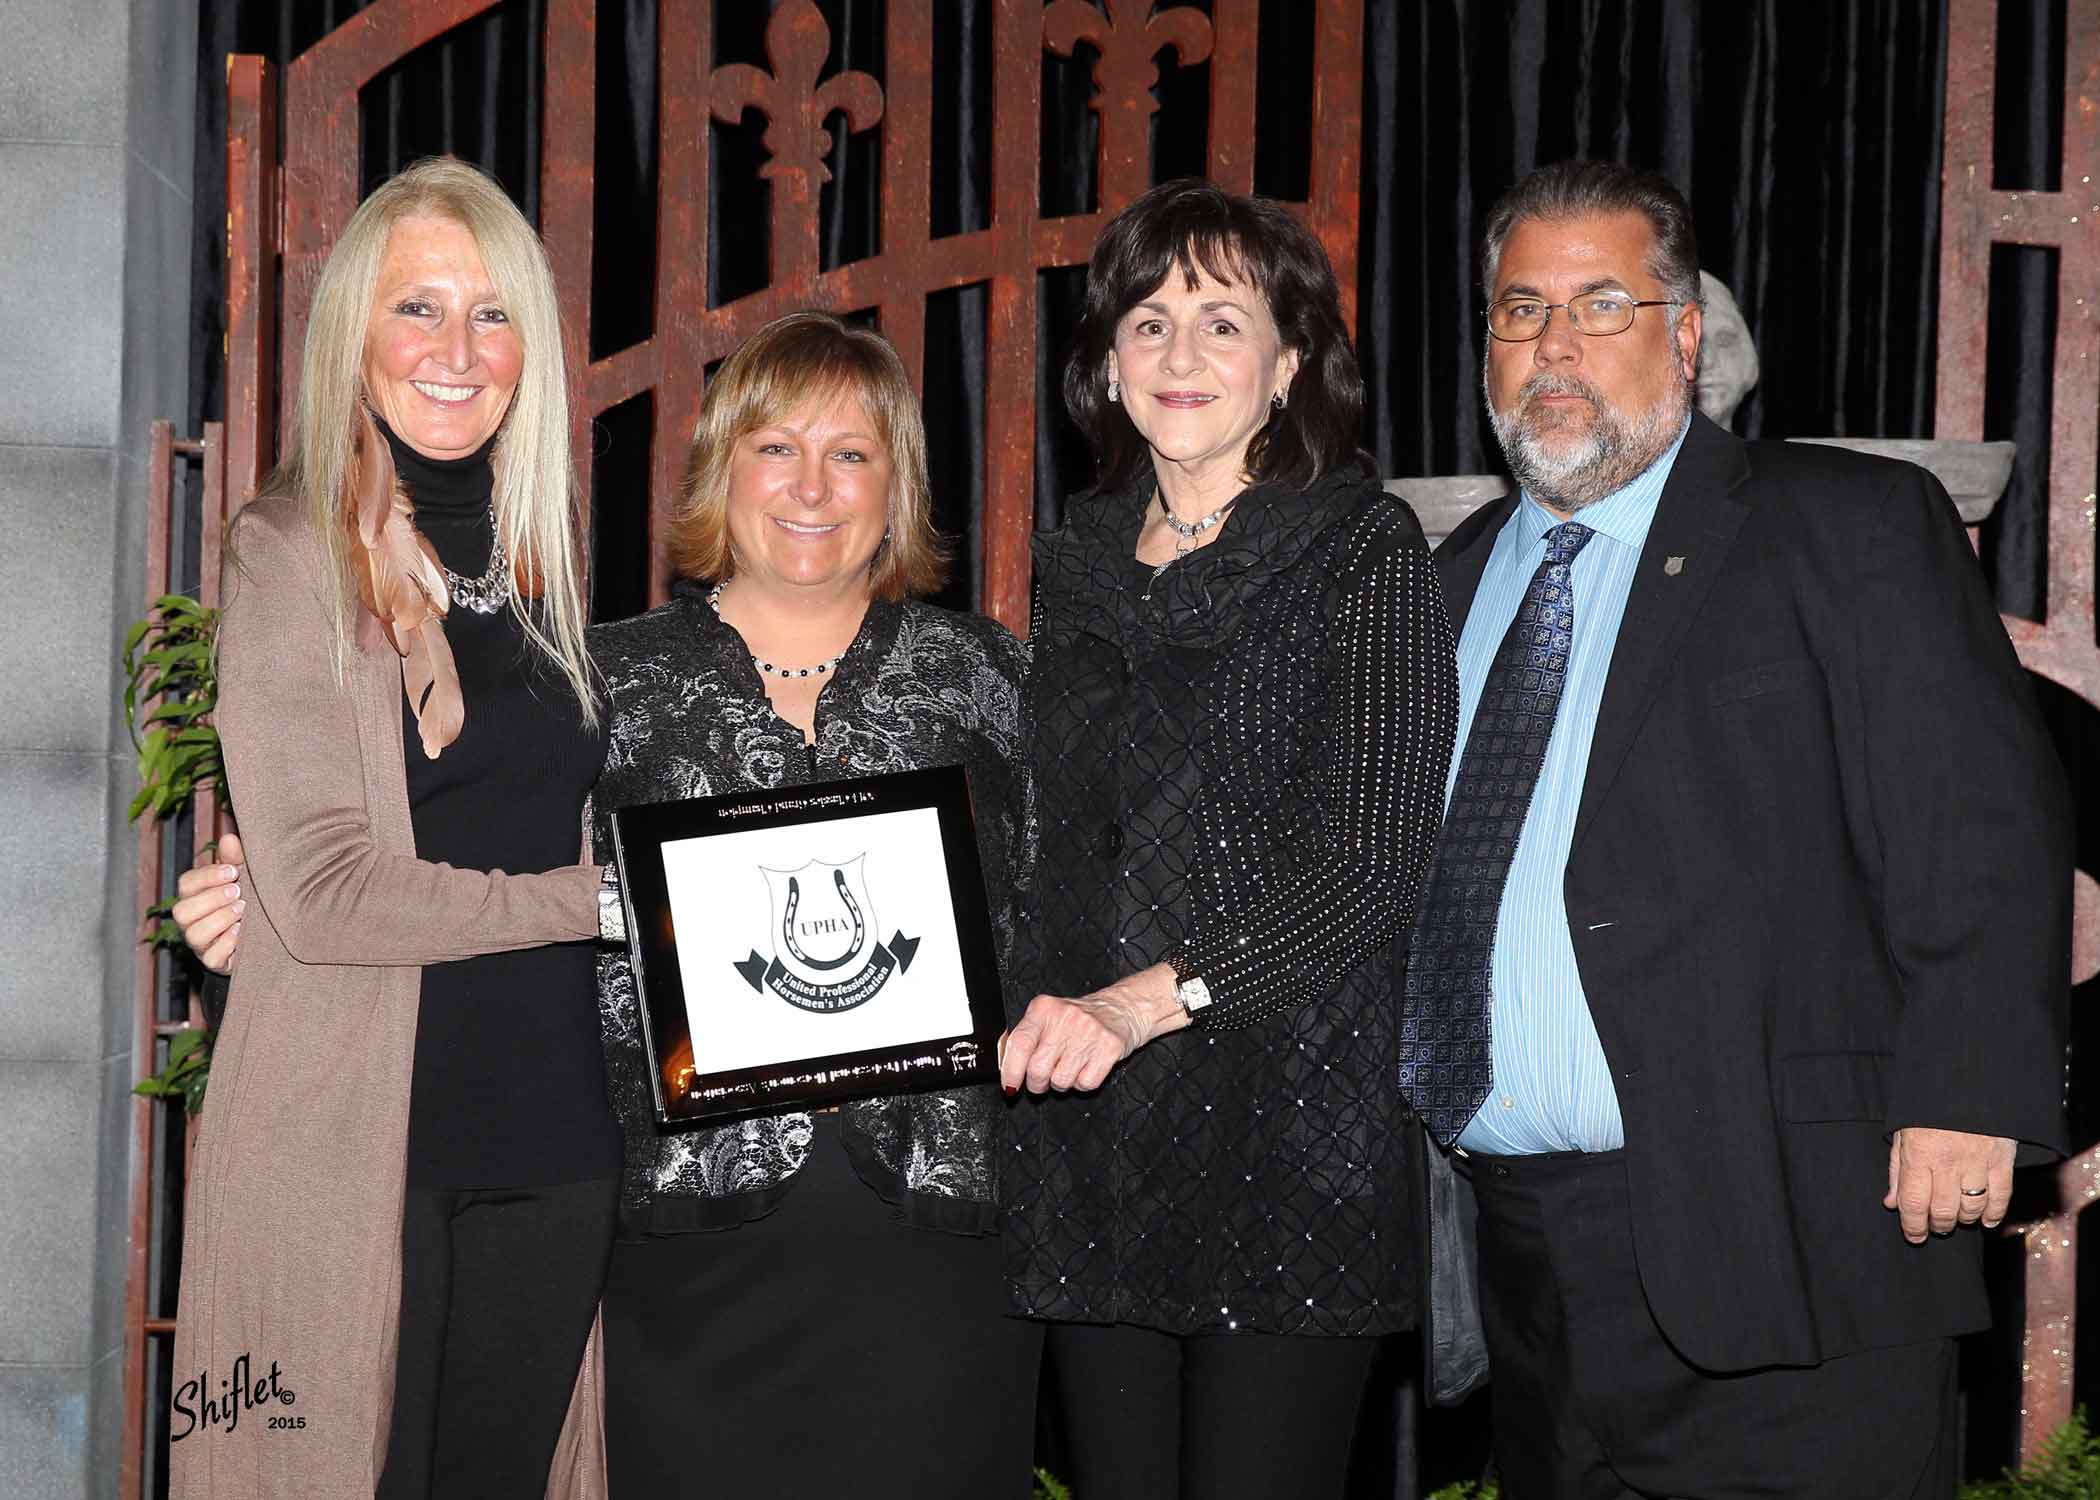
827 956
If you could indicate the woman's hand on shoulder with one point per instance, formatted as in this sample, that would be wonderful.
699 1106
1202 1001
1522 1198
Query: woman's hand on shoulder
210 905
1072 1044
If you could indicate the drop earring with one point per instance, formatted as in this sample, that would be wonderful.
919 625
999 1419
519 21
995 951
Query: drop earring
1115 391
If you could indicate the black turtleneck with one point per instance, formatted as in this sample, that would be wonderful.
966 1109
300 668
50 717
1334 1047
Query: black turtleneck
509 1086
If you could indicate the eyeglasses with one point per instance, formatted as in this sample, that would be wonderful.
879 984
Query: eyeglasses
1519 320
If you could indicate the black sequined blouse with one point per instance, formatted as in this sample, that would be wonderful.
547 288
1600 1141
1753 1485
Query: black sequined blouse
1247 766
919 687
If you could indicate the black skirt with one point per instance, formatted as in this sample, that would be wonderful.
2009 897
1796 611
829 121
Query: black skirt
826 1348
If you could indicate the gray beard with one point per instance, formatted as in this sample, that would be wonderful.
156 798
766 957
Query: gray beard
1567 477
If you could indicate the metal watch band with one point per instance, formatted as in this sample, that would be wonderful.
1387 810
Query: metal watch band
1189 987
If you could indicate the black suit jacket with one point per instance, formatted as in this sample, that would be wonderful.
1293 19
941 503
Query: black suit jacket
1819 890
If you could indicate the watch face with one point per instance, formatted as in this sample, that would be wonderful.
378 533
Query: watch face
1193 993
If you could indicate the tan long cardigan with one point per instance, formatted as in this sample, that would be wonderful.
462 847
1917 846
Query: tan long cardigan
291 1246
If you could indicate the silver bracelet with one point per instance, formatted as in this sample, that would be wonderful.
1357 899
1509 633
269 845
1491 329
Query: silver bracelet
612 911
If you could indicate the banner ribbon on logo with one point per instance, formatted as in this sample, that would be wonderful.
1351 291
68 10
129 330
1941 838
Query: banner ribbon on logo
844 994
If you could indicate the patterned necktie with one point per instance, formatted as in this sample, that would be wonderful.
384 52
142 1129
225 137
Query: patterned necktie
1445 1068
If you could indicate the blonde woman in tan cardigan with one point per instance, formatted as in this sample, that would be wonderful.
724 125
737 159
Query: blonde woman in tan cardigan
403 1193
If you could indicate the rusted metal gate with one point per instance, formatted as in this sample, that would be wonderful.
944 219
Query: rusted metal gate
148 1306
286 207
1975 215
320 189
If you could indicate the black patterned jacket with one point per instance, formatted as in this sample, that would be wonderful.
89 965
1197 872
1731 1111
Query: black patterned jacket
919 687
1247 765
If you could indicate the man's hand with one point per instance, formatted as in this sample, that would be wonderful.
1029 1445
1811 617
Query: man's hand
1071 1044
1941 1178
211 906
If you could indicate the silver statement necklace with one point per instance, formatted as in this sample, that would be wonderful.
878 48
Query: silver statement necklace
714 602
491 591
1185 534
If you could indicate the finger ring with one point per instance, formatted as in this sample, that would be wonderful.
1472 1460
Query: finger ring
1974 1192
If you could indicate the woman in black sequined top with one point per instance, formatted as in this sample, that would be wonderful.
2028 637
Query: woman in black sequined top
1245 695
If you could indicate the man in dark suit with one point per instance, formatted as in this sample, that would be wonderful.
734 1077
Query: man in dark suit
1741 976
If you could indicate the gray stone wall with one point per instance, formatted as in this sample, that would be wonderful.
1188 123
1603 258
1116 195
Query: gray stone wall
97 110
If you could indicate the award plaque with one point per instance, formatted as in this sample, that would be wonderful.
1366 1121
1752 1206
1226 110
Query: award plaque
808 945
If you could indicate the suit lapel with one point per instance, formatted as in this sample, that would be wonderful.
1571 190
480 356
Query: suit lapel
1696 521
1464 554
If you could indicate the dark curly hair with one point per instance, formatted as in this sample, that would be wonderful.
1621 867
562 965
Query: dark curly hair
1191 224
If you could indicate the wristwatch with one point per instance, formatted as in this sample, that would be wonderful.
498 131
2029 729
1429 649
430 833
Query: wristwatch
612 912
1189 987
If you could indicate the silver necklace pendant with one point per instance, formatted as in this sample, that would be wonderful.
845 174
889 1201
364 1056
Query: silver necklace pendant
714 602
1185 533
491 591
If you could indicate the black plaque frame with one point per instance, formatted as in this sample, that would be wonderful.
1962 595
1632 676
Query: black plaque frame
943 1061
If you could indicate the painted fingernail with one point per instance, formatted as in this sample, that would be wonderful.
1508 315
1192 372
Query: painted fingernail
1011 1090
233 892
239 907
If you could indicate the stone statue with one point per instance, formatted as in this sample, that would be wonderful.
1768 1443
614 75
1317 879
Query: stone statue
1727 358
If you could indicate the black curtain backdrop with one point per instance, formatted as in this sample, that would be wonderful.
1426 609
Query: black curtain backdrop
1807 138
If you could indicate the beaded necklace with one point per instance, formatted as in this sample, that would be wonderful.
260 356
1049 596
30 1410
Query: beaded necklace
1185 534
714 602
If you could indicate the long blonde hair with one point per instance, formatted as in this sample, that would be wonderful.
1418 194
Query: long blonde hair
535 489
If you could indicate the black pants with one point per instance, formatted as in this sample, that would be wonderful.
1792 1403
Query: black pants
1592 1403
498 1290
1152 1415
826 1349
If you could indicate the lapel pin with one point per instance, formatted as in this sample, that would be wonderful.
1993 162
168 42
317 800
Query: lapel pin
1673 565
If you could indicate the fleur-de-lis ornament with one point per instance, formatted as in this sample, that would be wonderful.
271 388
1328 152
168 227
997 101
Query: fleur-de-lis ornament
1129 37
794 104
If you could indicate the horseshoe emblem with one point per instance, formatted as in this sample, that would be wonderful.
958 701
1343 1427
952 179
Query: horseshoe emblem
803 911
794 945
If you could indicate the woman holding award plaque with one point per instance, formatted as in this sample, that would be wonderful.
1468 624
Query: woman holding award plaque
805 1303
1244 698
812 1303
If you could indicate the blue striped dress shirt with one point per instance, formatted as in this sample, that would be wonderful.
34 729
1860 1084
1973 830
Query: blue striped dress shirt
1552 1089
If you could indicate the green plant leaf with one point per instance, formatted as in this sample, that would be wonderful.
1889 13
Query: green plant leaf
171 689
186 1073
2066 1468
